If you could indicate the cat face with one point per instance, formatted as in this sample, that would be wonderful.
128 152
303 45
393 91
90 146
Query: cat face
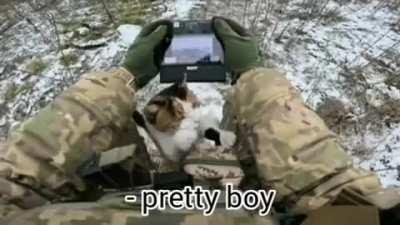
168 108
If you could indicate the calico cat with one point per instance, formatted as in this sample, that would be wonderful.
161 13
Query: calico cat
175 120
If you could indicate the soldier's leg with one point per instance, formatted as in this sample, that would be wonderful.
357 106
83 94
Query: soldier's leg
294 151
40 160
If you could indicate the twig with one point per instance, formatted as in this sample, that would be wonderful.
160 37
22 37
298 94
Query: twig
253 23
110 16
30 22
59 49
383 52
385 169
246 6
278 39
6 27
370 46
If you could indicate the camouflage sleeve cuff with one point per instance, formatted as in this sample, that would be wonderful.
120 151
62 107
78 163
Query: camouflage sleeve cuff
15 194
126 75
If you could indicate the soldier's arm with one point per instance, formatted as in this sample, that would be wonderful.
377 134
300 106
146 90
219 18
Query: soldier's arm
40 160
295 152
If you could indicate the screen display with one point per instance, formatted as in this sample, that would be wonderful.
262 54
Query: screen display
194 49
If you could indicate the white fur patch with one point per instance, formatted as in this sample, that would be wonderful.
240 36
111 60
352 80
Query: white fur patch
177 144
228 138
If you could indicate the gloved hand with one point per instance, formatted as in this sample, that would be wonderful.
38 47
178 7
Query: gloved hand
145 55
240 47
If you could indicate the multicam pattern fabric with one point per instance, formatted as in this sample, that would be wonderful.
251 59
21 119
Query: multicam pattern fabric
295 152
213 166
95 214
41 157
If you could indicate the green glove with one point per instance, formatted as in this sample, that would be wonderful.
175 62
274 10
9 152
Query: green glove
240 47
145 55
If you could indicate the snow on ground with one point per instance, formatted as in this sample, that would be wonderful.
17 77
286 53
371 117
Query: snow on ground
183 8
128 33
319 54
385 157
346 52
316 60
324 49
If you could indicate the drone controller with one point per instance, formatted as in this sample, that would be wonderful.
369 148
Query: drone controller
195 53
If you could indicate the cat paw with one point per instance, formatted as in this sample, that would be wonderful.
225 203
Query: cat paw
227 138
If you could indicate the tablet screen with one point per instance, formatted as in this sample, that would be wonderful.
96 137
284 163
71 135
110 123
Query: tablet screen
192 49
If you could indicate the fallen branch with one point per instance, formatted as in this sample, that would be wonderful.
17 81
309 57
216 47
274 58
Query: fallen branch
6 27
87 47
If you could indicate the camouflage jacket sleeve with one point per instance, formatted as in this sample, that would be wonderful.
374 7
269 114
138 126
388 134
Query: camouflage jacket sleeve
40 159
294 151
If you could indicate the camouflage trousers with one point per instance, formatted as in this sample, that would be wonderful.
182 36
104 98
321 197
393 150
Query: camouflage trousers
294 151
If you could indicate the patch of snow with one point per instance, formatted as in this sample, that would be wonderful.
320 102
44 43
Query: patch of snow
3 122
128 33
88 44
3 90
313 61
183 8
384 158
83 30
